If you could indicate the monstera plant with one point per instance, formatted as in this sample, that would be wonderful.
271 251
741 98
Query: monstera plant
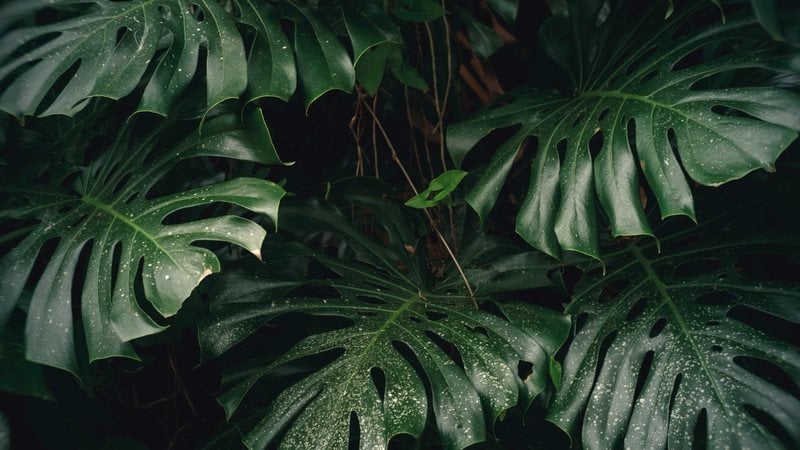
502 224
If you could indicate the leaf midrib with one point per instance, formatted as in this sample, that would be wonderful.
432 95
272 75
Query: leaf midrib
661 287
133 225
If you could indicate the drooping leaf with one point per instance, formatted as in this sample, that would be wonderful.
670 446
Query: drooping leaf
106 236
484 40
270 64
393 313
110 46
438 190
374 37
507 9
642 87
692 342
322 61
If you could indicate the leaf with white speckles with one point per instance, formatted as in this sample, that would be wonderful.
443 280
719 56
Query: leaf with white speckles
110 229
693 331
642 85
393 313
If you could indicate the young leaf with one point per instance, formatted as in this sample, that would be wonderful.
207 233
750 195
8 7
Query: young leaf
438 191
671 339
641 86
392 316
108 235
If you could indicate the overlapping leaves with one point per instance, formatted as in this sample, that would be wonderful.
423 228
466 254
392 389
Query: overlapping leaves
396 320
643 85
693 344
105 48
98 242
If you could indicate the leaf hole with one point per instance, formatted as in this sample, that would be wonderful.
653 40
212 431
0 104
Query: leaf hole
697 267
596 144
612 290
524 369
434 316
579 118
648 76
580 321
700 432
731 112
691 59
770 423
121 32
715 298
414 319
675 387
59 87
44 256
354 439
561 148
601 355
658 327
492 308
197 12
379 380
448 348
121 183
716 348
483 332
644 373
603 114
637 309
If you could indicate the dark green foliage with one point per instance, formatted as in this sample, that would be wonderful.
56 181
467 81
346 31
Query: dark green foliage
630 277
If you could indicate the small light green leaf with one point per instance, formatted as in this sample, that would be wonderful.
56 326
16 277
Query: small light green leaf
418 10
438 191
109 222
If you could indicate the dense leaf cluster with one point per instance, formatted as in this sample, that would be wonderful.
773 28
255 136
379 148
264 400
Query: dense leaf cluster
505 224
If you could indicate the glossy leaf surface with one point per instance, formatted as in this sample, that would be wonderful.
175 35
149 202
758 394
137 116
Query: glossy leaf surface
692 344
106 235
646 100
392 314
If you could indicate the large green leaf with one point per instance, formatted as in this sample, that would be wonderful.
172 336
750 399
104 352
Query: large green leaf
103 239
687 345
105 48
641 87
390 308
113 43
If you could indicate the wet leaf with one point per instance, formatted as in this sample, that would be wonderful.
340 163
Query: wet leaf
468 357
106 234
677 346
642 85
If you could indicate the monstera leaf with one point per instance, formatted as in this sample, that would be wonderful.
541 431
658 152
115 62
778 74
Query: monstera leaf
643 85
106 48
104 243
690 345
470 359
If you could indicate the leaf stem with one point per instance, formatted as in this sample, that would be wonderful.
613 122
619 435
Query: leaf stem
432 223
